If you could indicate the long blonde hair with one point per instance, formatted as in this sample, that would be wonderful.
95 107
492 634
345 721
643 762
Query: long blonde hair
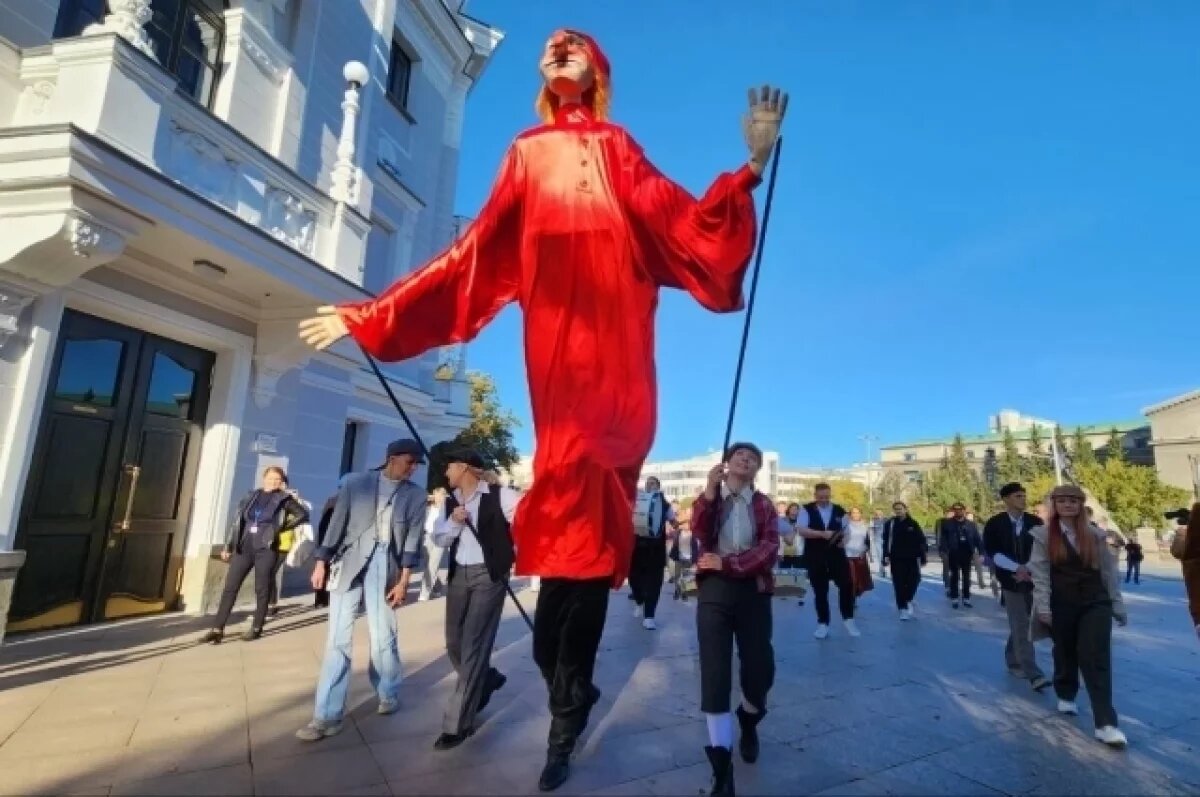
598 98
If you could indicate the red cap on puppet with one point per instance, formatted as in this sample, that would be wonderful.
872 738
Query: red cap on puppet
600 60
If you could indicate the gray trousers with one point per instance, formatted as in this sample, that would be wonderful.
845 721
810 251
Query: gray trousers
1019 652
434 554
474 604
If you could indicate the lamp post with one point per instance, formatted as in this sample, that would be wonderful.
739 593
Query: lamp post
343 186
867 440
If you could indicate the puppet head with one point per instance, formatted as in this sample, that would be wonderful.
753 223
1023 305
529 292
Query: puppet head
574 69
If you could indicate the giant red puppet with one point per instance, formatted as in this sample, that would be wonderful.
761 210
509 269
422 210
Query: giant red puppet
582 231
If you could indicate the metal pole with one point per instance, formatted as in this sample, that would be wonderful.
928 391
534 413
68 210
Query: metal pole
762 237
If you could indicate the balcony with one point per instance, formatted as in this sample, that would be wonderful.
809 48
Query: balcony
103 87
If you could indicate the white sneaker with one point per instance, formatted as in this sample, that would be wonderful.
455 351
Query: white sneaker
423 597
638 611
852 629
1111 736
649 624
1068 707
905 615
821 632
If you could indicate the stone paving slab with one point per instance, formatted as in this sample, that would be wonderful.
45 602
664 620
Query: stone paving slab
920 708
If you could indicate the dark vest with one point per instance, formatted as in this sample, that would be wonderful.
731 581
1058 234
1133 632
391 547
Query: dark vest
660 538
494 535
815 547
1074 583
815 521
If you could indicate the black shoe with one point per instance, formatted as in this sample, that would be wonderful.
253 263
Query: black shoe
556 771
252 634
495 682
721 759
448 741
748 744
273 611
213 637
966 604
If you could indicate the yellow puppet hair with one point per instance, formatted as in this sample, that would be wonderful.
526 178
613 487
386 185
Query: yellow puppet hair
598 98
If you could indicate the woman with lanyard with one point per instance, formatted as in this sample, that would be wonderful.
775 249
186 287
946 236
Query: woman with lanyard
265 518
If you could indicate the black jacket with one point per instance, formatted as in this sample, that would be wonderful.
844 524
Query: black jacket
903 539
998 537
948 537
289 513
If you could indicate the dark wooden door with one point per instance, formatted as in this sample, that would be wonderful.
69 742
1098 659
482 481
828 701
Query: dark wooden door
109 492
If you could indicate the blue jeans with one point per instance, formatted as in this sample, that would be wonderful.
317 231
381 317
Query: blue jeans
369 586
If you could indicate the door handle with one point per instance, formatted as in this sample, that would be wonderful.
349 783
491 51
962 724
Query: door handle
135 473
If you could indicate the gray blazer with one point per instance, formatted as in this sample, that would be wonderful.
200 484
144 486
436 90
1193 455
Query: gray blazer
351 533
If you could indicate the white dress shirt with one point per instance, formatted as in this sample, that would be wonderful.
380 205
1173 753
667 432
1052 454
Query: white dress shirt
857 534
737 530
447 531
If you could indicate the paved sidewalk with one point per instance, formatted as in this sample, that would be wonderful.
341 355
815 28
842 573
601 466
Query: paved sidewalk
910 708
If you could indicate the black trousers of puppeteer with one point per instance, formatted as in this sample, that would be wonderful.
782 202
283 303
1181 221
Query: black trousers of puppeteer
567 627
906 577
646 572
826 566
732 610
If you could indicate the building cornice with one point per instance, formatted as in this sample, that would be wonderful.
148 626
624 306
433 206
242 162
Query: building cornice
1171 403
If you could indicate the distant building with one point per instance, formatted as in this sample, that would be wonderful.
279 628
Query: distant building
914 458
1175 428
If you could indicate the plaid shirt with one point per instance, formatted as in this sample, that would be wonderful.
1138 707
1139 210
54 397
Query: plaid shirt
758 561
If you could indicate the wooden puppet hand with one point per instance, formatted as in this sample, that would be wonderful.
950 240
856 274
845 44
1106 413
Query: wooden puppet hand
324 329
761 124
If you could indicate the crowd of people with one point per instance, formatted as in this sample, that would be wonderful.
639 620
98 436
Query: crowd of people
1055 572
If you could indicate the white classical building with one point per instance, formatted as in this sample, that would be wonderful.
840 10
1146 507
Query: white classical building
180 182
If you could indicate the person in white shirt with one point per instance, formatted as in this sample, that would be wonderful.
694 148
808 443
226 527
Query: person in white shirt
650 555
433 554
476 527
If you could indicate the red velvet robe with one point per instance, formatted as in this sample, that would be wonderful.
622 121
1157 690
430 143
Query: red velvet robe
582 230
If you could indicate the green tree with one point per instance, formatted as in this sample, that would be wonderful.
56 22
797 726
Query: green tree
1082 453
490 432
1114 448
891 488
1011 467
849 494
1038 461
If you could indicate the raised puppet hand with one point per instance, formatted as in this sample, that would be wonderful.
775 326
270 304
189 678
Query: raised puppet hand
324 329
761 124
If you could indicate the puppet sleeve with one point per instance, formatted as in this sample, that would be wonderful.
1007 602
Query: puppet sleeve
453 296
701 245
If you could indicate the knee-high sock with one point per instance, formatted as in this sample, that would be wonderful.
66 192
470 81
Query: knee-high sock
720 730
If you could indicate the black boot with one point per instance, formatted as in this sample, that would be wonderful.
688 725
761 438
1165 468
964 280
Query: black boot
721 759
560 743
748 744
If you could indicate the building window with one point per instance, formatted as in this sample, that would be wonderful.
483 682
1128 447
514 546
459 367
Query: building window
912 476
400 67
378 272
75 15
970 455
187 36
350 447
910 456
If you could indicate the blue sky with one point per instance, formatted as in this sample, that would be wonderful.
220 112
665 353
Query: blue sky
980 205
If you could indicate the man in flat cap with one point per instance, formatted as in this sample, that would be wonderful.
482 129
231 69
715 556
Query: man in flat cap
1007 542
367 554
481 555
